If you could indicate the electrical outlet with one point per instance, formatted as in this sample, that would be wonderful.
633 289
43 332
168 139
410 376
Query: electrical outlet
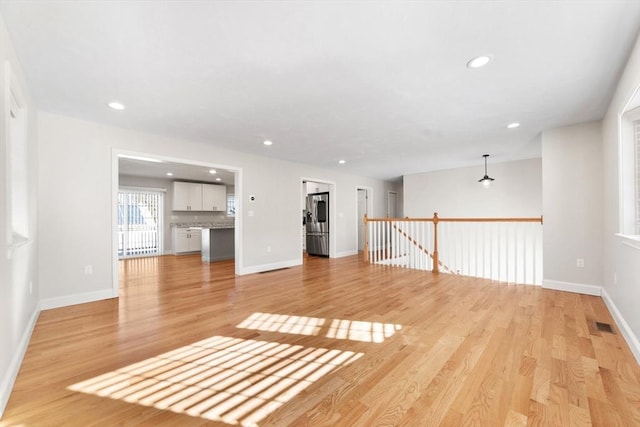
30 287
580 263
268 248
88 270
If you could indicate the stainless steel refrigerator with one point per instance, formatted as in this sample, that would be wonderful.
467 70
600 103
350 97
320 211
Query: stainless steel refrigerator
317 222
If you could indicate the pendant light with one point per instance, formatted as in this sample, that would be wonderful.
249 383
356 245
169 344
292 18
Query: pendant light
486 179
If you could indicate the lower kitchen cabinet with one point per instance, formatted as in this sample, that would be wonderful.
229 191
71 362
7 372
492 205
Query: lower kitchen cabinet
187 240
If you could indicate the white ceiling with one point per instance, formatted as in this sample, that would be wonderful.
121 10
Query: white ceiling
381 84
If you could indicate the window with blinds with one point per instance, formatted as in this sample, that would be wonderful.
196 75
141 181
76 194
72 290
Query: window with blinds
231 205
139 222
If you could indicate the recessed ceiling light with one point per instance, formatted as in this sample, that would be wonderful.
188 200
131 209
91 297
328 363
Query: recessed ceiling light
267 142
513 125
169 173
218 179
213 171
144 159
116 105
479 61
342 162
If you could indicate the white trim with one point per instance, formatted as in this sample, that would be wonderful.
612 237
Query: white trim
115 262
14 367
49 303
577 288
625 329
631 241
346 253
626 164
269 267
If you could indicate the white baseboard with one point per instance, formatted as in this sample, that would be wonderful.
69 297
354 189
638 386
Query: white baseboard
268 267
346 253
10 376
577 288
49 303
627 333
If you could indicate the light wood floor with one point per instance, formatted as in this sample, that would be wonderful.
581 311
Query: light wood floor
331 343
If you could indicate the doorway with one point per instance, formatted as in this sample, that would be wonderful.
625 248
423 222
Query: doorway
155 169
318 218
392 204
363 196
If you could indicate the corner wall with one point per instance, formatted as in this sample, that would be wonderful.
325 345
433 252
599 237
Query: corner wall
18 260
572 206
621 278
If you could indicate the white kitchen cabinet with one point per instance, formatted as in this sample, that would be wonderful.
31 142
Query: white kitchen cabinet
187 240
187 196
214 197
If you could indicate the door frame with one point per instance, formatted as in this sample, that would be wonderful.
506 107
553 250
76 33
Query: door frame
115 152
332 211
369 202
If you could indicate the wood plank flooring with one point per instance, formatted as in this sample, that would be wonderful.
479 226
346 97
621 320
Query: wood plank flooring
336 342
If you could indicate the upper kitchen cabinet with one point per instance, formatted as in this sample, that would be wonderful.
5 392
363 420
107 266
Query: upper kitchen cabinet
187 196
214 197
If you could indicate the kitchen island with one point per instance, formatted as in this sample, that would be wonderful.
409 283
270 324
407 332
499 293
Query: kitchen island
218 244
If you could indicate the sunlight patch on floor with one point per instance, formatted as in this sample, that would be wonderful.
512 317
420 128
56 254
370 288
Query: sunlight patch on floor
354 330
233 380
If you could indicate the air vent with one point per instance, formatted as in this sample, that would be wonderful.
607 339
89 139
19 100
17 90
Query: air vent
604 327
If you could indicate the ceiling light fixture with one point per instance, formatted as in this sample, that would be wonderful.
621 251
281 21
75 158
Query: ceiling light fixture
479 61
486 179
213 171
513 125
169 173
116 105
342 162
144 159
218 179
267 143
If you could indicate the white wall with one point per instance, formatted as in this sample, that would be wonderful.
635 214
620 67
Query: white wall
621 278
572 205
516 191
18 263
79 219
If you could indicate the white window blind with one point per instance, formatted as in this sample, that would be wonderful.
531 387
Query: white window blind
231 205
139 222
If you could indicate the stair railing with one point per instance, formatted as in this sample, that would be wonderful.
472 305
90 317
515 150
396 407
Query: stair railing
505 249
